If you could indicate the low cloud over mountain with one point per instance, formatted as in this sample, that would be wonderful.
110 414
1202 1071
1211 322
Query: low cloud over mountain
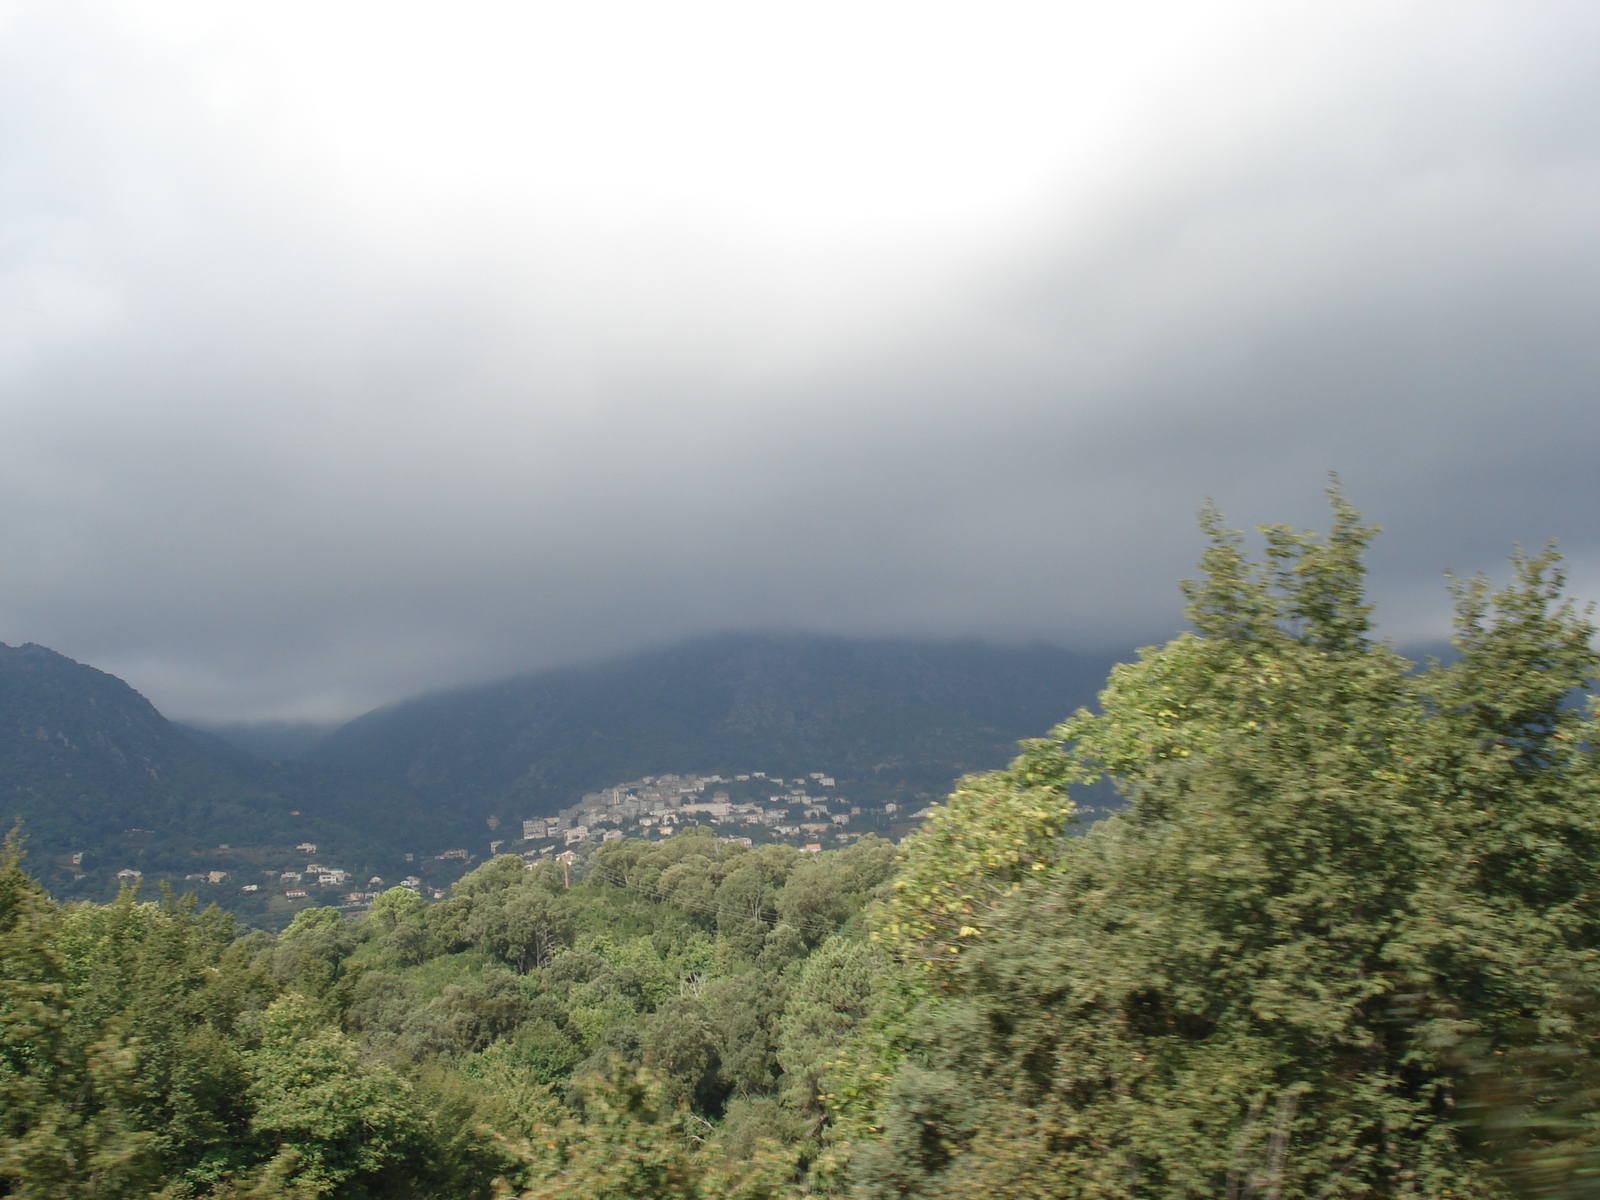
350 353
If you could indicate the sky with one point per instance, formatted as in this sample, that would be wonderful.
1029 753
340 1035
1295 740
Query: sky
352 349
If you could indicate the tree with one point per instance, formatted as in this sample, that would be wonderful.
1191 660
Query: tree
827 1003
632 1145
65 1125
334 1125
522 926
395 907
1330 871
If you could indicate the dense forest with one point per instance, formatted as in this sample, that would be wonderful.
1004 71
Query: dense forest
1341 942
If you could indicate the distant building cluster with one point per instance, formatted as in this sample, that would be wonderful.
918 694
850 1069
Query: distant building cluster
803 810
745 809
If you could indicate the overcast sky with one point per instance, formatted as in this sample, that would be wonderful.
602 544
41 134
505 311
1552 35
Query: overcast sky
349 349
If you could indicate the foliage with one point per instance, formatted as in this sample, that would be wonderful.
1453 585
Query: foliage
632 1144
1332 869
149 1048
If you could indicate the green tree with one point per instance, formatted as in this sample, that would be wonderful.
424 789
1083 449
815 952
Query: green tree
631 1145
66 1129
1331 869
523 925
827 1004
334 1125
395 907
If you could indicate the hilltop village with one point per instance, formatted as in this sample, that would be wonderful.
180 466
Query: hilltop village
746 809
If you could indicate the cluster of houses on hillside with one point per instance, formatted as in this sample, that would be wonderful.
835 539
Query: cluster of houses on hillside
804 811
747 808
320 878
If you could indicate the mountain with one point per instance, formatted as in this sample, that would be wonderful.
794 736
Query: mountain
90 767
888 718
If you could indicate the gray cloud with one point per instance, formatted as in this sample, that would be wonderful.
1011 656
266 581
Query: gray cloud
289 433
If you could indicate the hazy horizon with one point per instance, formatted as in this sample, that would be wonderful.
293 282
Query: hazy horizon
349 352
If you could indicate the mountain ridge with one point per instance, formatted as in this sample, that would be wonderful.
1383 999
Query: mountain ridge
90 767
891 715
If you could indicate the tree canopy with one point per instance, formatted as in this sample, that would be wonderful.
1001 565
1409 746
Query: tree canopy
1333 871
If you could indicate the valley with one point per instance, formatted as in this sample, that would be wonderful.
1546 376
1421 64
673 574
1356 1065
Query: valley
810 742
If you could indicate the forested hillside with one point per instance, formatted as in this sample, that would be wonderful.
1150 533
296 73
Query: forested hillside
1340 943
688 997
892 720
90 768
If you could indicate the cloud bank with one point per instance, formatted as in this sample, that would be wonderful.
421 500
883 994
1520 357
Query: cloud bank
351 349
